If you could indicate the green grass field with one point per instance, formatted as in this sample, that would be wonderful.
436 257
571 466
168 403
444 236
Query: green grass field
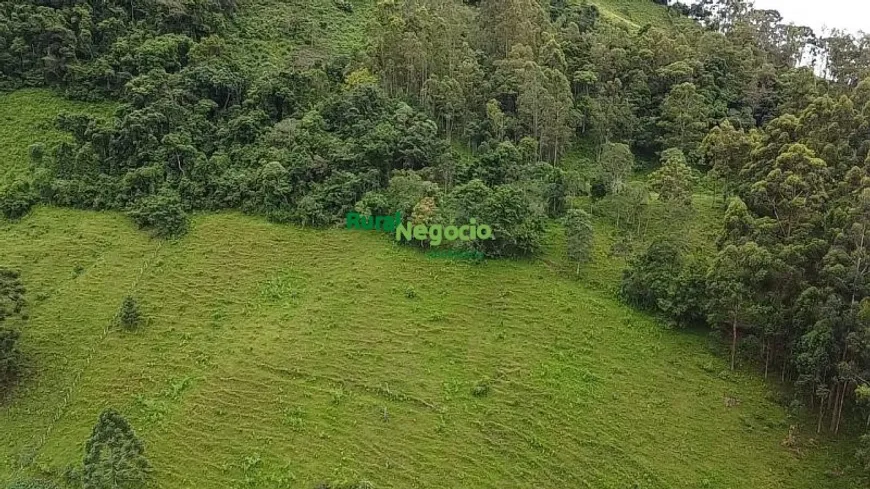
637 13
27 117
275 357
271 34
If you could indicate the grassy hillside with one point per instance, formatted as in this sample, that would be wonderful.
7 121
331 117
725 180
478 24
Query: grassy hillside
274 353
27 117
274 356
637 13
275 33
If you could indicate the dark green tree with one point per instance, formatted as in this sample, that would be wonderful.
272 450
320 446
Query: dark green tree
674 181
736 279
129 317
114 455
162 213
616 164
579 236
685 120
11 304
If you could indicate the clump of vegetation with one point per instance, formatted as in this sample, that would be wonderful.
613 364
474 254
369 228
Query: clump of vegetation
163 213
674 181
481 388
94 55
517 222
663 280
11 305
410 293
16 199
10 356
344 5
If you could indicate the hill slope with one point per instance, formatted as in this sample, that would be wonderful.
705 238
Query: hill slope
274 353
636 13
277 357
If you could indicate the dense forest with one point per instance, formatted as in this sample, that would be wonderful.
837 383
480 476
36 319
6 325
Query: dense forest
467 109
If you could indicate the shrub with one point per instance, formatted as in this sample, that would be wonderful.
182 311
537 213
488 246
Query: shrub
344 5
17 199
373 204
11 304
517 223
481 388
662 280
10 356
405 190
500 165
650 275
11 294
163 213
273 191
329 202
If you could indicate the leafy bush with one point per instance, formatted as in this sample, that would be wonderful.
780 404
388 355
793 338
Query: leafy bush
651 274
344 5
10 356
11 294
16 199
662 280
481 388
11 304
517 222
163 213
499 166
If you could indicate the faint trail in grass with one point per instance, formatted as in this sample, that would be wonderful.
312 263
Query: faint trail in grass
74 383
379 390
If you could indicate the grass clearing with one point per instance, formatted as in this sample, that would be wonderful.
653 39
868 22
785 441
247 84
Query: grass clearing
637 13
27 117
275 356
272 34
